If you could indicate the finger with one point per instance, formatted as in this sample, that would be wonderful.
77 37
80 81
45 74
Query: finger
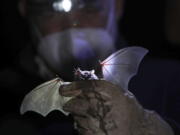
77 106
85 125
69 90
81 124
72 93
74 88
77 87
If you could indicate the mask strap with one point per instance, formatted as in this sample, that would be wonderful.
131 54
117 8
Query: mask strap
35 33
111 25
43 69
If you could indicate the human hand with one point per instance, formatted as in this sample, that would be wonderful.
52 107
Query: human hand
101 108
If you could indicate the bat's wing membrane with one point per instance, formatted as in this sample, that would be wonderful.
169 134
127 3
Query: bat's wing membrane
45 98
122 65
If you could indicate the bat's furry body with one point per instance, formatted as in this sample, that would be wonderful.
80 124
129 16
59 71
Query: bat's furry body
85 75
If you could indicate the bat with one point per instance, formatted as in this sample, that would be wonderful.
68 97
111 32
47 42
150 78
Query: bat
118 69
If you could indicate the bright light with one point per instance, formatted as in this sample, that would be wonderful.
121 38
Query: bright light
67 5
64 5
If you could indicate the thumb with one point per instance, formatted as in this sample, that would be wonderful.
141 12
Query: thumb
77 106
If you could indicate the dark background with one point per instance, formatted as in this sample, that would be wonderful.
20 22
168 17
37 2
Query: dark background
144 24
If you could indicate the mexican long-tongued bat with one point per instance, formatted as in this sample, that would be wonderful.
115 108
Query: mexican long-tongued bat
118 69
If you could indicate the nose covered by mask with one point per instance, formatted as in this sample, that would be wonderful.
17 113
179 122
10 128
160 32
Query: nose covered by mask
64 51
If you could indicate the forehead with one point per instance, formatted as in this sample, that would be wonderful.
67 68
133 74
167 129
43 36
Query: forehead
79 2
41 6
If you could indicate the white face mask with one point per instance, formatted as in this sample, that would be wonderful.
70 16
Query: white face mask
83 46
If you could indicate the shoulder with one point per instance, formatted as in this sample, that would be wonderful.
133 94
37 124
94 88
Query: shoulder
159 67
156 76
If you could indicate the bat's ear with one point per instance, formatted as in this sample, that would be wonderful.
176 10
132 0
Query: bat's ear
77 71
92 71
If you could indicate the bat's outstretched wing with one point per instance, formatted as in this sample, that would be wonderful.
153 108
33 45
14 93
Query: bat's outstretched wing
45 98
119 67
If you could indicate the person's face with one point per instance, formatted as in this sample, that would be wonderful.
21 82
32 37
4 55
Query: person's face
60 46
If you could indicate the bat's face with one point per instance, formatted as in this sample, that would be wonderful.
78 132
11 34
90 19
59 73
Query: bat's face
85 75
